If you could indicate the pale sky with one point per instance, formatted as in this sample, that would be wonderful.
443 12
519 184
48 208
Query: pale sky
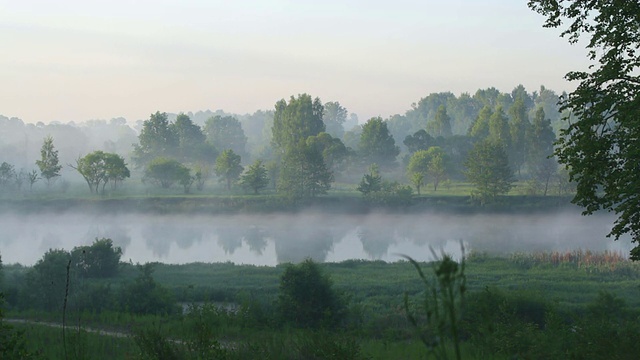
77 60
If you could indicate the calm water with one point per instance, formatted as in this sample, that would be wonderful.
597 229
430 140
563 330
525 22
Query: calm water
273 239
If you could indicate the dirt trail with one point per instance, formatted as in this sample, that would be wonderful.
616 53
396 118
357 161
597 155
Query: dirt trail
70 327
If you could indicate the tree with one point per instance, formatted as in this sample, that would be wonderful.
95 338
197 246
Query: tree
48 163
166 172
519 127
228 167
480 128
334 117
487 168
99 167
7 175
437 168
157 139
540 141
441 124
372 181
334 153
99 260
145 296
192 146
420 140
255 178
47 280
296 121
417 168
431 163
116 169
32 177
499 128
377 145
304 173
601 145
307 298
225 132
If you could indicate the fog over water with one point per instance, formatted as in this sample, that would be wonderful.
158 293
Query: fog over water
273 239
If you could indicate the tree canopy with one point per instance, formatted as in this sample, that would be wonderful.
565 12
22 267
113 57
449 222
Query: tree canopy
377 144
601 143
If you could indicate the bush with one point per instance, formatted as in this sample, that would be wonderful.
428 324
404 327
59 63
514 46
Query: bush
307 298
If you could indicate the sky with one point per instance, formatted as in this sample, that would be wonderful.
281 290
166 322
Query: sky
72 60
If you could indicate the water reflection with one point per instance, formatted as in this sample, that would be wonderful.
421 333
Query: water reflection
273 239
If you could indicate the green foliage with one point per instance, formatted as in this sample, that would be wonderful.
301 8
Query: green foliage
191 146
145 296
46 281
255 177
334 117
165 172
431 163
7 175
13 343
296 121
600 144
371 182
420 140
49 163
441 124
377 144
99 260
479 130
519 127
488 169
334 153
99 168
304 173
225 132
228 167
441 307
307 297
157 139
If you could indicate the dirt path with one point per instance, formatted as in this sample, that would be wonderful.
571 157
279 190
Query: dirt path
69 327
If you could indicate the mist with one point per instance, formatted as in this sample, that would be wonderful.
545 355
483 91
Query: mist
273 239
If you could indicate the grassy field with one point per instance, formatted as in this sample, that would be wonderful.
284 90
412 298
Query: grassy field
533 286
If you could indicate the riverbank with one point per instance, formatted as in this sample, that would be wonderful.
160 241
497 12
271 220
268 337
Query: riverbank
212 204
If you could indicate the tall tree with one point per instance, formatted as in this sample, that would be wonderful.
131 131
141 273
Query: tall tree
499 128
541 162
377 145
49 162
228 167
441 124
488 170
192 146
225 132
519 126
296 121
334 117
157 139
479 130
602 146
304 173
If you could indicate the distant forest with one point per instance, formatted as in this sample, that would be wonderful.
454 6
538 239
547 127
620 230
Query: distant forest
438 139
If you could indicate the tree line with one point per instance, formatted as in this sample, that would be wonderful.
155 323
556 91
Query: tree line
490 139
